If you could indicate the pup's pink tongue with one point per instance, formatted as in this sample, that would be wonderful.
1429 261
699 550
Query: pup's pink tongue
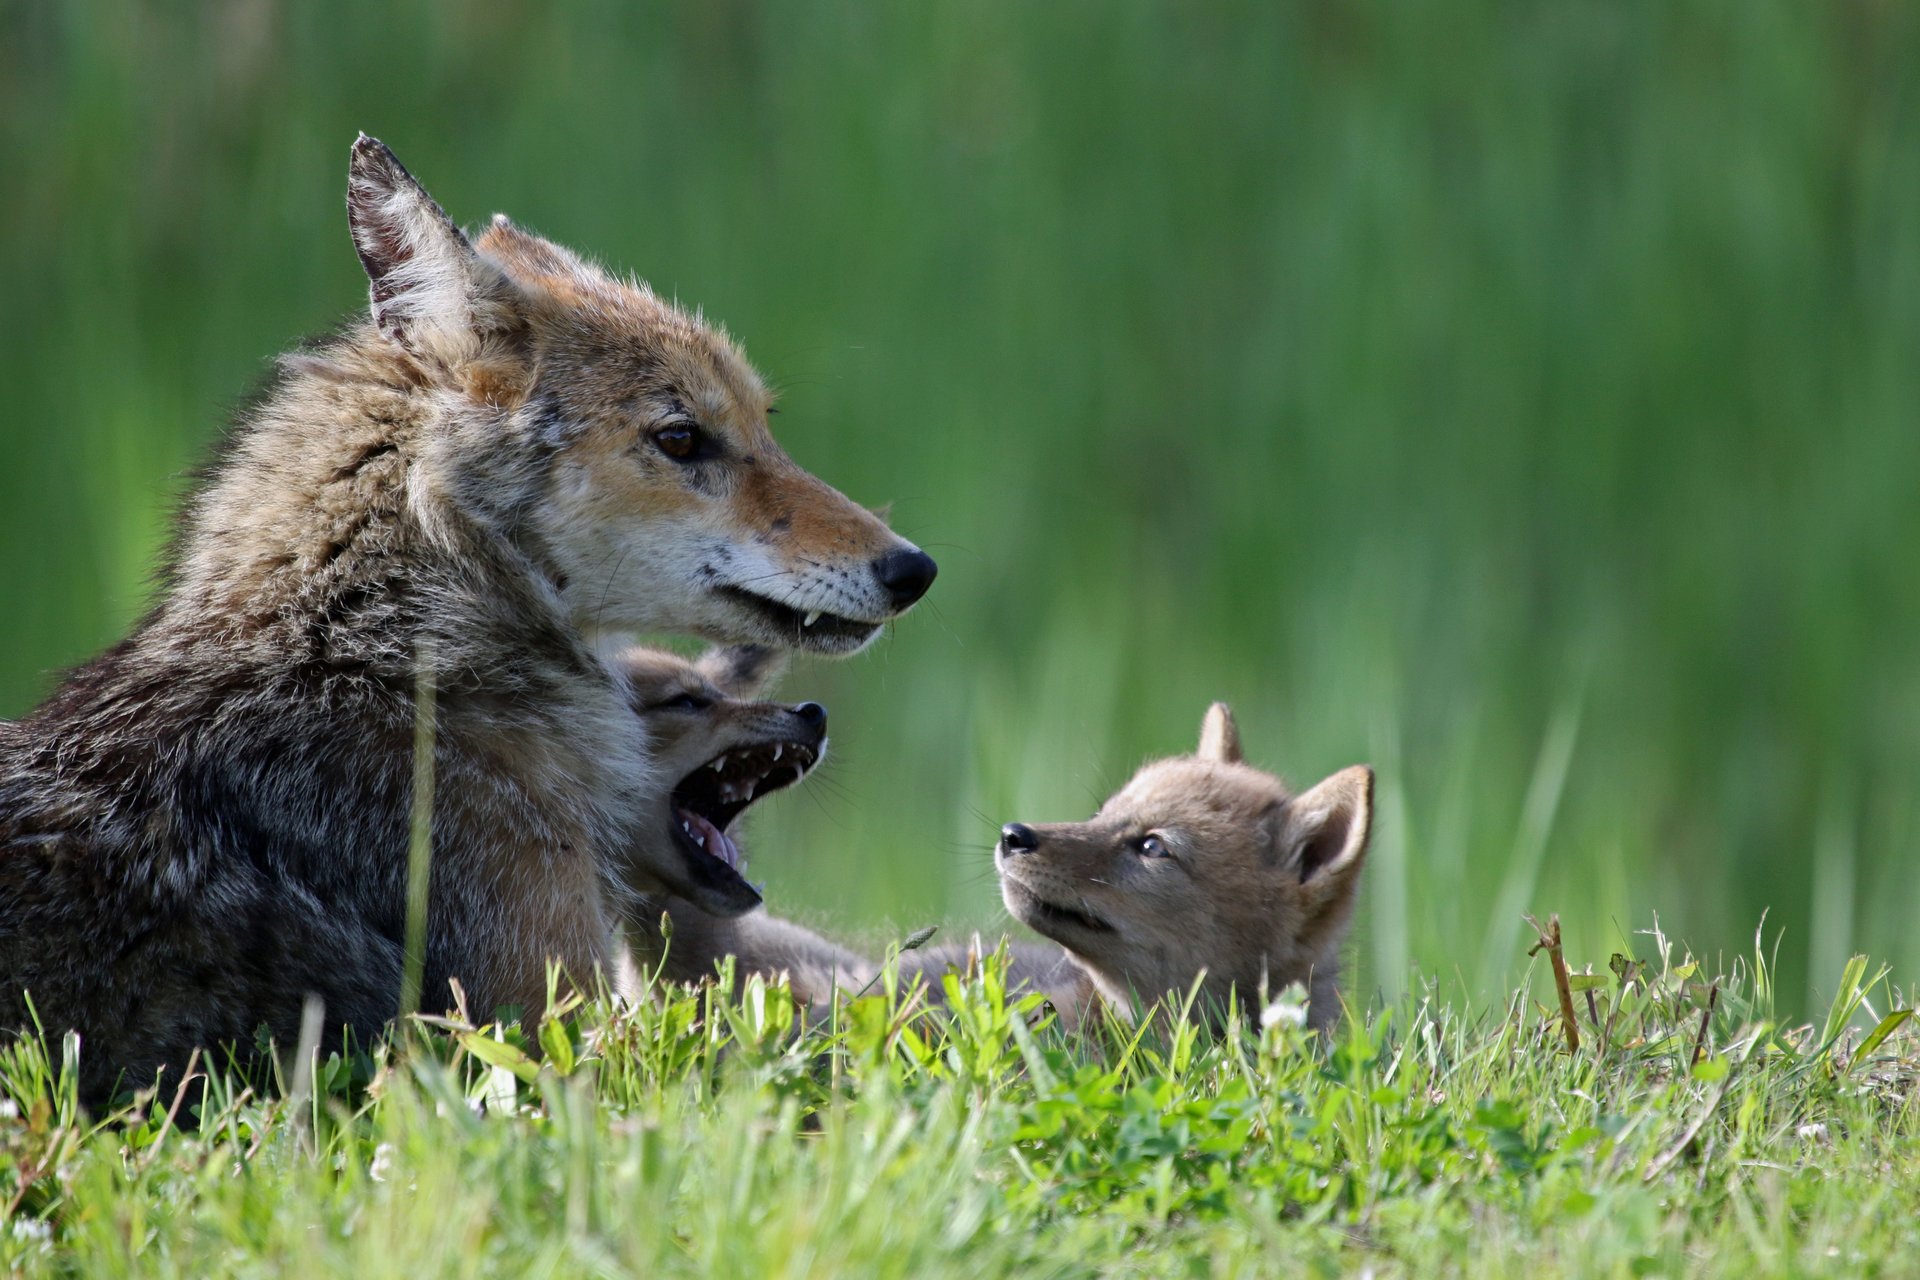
710 837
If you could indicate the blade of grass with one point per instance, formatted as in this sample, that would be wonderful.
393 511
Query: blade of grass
420 842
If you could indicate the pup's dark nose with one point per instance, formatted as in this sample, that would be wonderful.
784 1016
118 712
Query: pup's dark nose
1018 837
906 574
814 714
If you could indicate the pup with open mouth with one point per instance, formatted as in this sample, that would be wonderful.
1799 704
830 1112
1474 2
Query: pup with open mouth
719 751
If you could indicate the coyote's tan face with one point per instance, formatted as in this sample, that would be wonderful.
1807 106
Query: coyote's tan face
718 751
1200 863
632 435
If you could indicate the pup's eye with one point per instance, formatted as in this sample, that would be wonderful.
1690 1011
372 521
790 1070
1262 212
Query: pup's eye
1154 847
684 702
681 441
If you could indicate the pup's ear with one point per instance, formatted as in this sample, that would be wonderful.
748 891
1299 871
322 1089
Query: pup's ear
742 670
430 294
1320 836
1219 735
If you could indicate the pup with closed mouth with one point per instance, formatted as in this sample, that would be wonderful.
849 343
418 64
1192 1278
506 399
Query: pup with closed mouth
1200 865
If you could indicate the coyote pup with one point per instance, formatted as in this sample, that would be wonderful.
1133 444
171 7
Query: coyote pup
510 455
1199 863
726 751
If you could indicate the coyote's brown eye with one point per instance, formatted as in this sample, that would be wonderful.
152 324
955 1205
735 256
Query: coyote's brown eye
678 440
1154 847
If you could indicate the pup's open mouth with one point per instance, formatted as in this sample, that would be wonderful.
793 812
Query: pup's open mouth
813 629
708 800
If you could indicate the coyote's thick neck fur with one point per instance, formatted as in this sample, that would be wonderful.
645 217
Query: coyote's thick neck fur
513 453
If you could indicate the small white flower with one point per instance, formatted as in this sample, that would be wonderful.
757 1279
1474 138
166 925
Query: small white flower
382 1164
1284 1013
31 1229
9 1109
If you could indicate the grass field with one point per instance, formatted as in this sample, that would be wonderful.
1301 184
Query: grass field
1689 1134
1518 396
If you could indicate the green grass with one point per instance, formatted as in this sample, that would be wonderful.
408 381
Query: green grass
699 1135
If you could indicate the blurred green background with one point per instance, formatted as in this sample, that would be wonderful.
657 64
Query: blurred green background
1518 396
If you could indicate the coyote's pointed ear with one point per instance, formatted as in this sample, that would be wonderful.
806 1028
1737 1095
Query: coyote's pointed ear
1320 835
430 293
742 670
1219 735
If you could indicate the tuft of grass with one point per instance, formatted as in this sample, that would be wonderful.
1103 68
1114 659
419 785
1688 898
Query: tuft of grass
715 1130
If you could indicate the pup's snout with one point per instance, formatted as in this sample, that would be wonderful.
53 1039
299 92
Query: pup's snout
814 714
906 574
1018 837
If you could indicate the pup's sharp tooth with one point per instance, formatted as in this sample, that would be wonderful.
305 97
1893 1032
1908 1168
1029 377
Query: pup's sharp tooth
718 764
812 617
777 749
701 841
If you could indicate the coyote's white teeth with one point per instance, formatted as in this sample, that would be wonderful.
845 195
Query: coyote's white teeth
718 764
701 841
777 749
812 617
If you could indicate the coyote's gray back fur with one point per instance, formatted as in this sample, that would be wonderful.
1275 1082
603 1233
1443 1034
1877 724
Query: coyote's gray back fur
209 822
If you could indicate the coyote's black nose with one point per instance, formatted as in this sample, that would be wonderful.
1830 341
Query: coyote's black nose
906 574
1018 837
814 714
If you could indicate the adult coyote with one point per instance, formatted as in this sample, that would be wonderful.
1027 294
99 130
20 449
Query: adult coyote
512 453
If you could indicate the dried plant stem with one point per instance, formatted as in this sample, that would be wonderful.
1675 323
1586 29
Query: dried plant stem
1550 943
1706 1017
